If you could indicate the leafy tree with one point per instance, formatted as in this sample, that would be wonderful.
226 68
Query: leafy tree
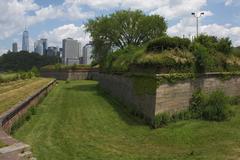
209 42
214 44
224 45
122 29
25 61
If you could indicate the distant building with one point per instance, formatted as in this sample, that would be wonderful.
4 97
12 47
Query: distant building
38 47
87 54
45 45
71 51
60 52
25 41
52 51
15 47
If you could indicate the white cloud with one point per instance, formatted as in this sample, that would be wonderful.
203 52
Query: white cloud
187 27
16 14
167 8
228 2
56 35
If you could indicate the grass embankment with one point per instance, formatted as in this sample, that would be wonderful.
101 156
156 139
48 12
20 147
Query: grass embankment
13 92
77 122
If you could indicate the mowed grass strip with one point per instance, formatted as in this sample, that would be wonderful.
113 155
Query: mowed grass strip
14 92
76 122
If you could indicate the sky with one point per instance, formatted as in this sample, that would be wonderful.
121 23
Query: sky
59 19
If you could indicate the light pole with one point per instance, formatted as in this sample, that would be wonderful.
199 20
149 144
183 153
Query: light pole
197 16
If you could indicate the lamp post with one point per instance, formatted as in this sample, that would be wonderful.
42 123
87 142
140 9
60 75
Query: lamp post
197 16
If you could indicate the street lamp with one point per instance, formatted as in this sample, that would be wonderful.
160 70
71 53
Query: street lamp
197 16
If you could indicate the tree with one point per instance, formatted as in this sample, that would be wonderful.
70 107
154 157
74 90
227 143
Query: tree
214 44
124 28
25 61
225 45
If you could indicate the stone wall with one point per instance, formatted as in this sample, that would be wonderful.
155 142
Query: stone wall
121 87
176 97
168 97
8 118
69 74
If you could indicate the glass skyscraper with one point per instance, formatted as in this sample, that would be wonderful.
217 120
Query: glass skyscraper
25 41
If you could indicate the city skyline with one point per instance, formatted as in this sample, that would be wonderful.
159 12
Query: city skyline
60 19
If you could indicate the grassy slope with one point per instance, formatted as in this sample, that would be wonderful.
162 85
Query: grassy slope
13 92
77 122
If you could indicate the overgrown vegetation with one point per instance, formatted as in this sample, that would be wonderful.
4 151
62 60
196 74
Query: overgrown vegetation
129 41
215 106
63 67
8 77
168 43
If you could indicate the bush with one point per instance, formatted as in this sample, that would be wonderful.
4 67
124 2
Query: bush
201 58
216 109
35 71
234 100
166 43
214 44
198 103
213 107
161 120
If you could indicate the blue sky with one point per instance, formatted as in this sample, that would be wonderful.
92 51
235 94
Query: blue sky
58 19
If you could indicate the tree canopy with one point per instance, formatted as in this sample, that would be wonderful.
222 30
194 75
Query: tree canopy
24 61
124 28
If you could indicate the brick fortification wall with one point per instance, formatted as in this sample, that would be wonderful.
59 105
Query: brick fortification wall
169 97
69 74
173 98
122 88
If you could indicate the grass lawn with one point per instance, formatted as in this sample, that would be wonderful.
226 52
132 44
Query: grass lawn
13 92
77 122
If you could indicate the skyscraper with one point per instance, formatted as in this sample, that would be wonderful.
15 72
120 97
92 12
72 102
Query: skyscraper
14 47
38 47
45 45
25 41
71 51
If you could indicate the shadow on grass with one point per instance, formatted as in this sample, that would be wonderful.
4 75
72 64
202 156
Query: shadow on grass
122 110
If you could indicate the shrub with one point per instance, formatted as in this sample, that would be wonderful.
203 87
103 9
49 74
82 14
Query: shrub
224 45
161 120
234 100
166 43
198 103
201 58
214 44
216 108
35 71
183 115
213 107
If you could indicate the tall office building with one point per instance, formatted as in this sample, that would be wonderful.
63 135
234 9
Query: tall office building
45 45
87 54
38 47
52 51
25 41
14 47
71 51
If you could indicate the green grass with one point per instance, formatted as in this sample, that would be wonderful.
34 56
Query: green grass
16 91
77 122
